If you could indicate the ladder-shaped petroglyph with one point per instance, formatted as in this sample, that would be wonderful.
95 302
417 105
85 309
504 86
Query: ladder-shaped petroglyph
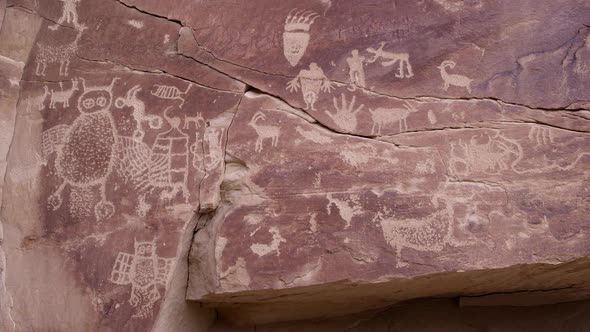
311 81
49 54
484 153
144 271
540 135
356 70
383 116
170 92
85 152
453 79
264 131
139 114
262 249
390 59
347 208
345 116
296 34
63 96
69 14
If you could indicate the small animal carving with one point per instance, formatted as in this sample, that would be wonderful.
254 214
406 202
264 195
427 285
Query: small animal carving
48 54
402 58
170 92
384 116
345 116
63 96
196 120
264 131
453 79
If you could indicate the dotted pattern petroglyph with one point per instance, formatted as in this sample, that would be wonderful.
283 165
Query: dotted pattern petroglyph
296 34
49 54
144 271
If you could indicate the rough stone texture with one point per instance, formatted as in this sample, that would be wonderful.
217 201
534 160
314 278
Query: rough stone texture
164 161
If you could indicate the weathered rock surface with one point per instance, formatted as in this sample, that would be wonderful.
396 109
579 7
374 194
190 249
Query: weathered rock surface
165 160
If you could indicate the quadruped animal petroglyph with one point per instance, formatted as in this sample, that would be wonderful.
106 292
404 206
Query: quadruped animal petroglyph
453 79
63 96
391 58
264 131
62 54
296 34
383 116
69 15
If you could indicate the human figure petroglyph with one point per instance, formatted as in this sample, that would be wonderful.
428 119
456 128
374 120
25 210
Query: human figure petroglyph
69 14
144 271
196 120
484 154
345 116
49 54
383 116
311 81
170 92
63 96
296 34
453 79
392 58
356 70
261 249
264 131
139 114
87 155
540 135
347 208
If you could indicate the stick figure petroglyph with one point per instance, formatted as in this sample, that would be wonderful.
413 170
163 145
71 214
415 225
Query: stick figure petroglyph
384 116
402 58
170 92
356 70
144 271
345 116
311 81
87 155
69 14
139 114
296 35
453 79
48 54
264 131
63 96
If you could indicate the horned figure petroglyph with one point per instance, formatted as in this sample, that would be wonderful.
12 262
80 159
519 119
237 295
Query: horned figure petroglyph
402 58
345 116
311 81
356 70
483 154
85 149
453 79
540 135
196 120
264 131
68 14
170 92
63 96
144 271
139 114
48 54
296 35
383 116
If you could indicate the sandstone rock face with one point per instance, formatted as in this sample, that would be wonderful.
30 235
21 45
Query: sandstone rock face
272 162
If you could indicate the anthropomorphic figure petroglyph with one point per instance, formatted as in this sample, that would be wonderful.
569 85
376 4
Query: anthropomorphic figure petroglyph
453 79
296 34
139 114
170 92
392 58
86 157
345 116
264 131
144 271
63 96
68 14
383 116
356 70
48 54
311 81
